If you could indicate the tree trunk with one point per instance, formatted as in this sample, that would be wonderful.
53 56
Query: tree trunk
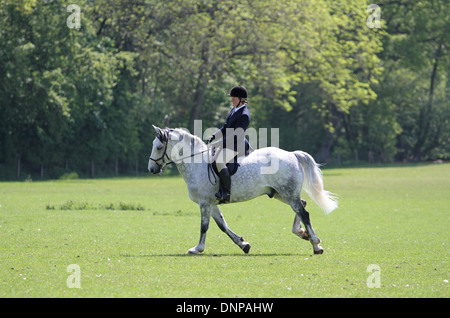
19 158
338 158
351 135
200 89
116 167
426 112
137 167
92 168
198 102
324 152
370 157
202 81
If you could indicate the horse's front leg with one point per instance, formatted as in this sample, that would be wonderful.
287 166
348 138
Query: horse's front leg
205 209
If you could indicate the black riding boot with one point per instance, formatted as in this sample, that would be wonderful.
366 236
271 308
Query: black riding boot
225 184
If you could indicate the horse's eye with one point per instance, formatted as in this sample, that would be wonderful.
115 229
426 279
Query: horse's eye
159 148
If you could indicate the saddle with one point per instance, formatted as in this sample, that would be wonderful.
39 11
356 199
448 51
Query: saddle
232 167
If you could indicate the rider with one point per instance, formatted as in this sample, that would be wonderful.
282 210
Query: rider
233 139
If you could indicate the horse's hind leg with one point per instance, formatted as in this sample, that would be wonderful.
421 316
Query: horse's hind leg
298 230
218 217
303 216
297 226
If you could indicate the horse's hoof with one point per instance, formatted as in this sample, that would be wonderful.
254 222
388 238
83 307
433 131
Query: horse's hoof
318 251
246 248
193 251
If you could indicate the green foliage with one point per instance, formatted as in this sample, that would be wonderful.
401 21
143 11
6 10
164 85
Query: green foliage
69 176
84 100
416 78
78 206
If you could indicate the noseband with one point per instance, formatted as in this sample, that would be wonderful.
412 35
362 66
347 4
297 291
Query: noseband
164 139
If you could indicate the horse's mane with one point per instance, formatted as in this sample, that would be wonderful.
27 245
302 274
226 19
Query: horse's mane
197 141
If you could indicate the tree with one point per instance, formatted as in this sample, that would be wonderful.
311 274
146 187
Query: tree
417 51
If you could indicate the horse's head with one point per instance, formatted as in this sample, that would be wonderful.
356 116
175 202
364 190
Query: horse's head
159 157
173 146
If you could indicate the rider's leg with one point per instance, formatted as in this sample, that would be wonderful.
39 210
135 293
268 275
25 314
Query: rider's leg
225 156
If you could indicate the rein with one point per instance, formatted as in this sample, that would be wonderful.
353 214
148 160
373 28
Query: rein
165 139
190 156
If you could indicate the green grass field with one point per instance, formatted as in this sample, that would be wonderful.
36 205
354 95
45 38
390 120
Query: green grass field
128 238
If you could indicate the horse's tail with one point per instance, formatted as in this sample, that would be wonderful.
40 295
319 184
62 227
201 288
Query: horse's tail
313 183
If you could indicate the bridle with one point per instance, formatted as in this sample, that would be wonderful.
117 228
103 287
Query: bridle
165 140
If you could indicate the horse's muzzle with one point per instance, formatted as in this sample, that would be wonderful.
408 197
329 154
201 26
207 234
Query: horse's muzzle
154 170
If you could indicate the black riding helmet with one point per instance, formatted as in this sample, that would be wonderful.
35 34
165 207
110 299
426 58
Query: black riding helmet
238 91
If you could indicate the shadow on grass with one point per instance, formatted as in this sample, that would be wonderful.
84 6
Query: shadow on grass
217 255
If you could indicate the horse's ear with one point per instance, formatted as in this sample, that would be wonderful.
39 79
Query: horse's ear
157 129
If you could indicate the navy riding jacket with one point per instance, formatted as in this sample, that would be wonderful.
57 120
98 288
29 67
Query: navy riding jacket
236 119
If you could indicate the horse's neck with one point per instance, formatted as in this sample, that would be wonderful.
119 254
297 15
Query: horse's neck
189 147
188 165
190 169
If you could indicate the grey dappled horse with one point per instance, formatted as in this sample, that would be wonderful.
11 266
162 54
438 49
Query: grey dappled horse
272 171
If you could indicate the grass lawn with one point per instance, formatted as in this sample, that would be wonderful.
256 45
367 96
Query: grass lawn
128 238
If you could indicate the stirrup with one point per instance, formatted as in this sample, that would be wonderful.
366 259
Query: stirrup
224 197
